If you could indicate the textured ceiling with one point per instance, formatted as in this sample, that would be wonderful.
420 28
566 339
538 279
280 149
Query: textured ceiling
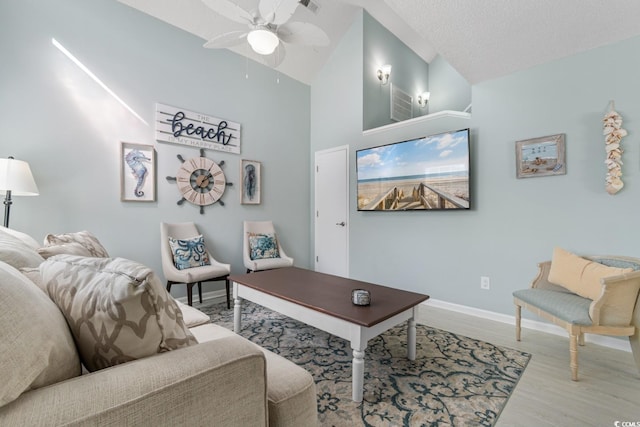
486 39
482 40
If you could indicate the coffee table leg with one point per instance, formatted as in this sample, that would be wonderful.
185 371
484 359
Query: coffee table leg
237 313
411 337
357 375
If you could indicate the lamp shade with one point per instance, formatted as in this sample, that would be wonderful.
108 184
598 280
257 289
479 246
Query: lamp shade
15 176
263 41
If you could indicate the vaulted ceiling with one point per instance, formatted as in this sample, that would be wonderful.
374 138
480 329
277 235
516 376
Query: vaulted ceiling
482 40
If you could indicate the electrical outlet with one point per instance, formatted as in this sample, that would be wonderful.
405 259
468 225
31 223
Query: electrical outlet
485 283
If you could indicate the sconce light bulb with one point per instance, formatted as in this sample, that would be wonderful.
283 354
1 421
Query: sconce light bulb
383 73
423 98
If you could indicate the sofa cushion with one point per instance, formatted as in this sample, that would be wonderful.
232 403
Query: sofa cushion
33 274
580 275
117 309
192 316
73 248
85 238
569 307
291 391
263 246
15 252
35 343
189 253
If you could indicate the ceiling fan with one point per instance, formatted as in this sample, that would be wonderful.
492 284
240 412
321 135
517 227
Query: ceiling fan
267 27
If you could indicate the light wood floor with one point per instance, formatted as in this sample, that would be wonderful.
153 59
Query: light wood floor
608 389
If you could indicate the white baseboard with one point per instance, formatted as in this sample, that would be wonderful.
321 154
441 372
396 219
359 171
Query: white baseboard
618 344
535 325
208 297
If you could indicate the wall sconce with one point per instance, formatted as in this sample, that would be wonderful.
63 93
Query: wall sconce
383 73
423 99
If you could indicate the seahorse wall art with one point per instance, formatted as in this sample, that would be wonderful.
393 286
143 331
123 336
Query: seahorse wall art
135 159
613 134
250 181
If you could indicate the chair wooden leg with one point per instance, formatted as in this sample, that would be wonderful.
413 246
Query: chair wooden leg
200 292
573 352
226 283
518 320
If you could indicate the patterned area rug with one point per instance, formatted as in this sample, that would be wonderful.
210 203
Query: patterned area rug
454 381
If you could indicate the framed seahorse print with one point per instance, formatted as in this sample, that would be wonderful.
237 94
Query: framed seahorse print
137 172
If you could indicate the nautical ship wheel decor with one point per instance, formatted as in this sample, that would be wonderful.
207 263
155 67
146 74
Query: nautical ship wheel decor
201 181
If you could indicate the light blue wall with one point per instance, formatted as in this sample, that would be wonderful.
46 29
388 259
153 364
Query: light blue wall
513 223
69 130
409 73
449 90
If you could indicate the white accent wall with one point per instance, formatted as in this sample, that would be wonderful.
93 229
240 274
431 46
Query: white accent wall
513 223
69 129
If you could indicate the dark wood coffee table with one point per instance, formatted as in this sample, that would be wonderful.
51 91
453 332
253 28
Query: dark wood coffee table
324 302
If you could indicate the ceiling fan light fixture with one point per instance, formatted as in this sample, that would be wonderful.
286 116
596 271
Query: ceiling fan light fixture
263 41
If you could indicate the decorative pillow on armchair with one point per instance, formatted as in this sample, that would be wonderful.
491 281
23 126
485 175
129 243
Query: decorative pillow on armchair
580 275
84 238
189 253
117 309
263 246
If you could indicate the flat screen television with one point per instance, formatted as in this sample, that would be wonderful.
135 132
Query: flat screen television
428 173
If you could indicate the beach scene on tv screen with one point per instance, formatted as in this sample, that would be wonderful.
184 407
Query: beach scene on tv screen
420 174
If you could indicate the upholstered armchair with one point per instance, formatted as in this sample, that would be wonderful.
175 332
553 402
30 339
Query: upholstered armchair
190 275
613 309
262 249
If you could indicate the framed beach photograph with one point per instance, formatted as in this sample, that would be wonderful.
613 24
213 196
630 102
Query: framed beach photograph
137 172
251 182
542 156
422 174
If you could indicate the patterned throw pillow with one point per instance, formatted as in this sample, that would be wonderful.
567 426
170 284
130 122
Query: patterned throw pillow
86 239
189 253
117 309
65 248
263 246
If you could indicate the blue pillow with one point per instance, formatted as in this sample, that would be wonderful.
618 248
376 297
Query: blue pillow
263 246
189 253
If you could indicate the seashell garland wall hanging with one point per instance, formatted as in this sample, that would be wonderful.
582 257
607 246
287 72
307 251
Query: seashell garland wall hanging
613 134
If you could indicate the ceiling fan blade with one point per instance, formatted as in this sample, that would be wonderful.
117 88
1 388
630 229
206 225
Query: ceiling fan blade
303 33
230 39
277 11
276 57
229 10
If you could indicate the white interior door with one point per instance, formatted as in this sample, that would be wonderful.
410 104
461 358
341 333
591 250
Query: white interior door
332 211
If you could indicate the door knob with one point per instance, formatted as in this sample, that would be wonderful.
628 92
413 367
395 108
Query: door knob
342 224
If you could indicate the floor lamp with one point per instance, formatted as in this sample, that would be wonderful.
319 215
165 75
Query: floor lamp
15 180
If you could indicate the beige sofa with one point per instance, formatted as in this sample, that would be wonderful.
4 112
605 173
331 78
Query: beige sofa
193 373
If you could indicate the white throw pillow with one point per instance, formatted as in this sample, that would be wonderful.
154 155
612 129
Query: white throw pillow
117 309
16 253
35 343
25 238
